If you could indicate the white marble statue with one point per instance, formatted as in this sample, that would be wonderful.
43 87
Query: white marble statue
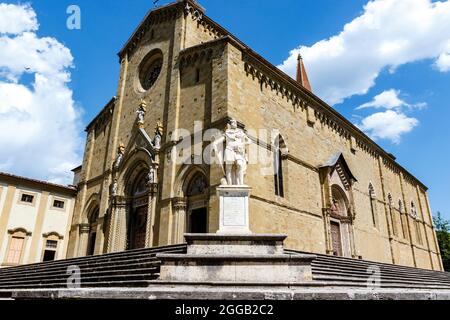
151 176
114 188
235 159
158 136
141 112
119 158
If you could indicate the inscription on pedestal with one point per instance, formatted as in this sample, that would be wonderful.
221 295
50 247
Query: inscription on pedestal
233 211
233 206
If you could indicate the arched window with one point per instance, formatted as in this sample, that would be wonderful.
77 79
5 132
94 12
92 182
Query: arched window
279 148
391 214
373 204
402 218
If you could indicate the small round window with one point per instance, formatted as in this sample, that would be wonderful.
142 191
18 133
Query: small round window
150 69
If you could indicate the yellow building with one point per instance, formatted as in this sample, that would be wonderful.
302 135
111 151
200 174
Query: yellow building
34 220
144 181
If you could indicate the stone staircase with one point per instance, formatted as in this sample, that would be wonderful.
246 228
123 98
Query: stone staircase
134 268
140 268
345 272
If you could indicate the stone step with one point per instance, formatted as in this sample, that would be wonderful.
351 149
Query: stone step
48 283
5 292
87 260
360 263
112 256
129 268
341 261
363 269
342 270
87 266
349 284
365 277
42 277
353 280
236 257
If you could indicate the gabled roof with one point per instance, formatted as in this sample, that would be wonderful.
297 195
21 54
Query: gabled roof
106 107
336 159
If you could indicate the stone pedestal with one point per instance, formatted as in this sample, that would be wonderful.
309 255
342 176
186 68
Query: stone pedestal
233 209
235 259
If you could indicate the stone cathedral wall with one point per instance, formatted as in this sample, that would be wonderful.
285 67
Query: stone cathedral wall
210 78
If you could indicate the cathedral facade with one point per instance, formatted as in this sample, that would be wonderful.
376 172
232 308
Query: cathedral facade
145 181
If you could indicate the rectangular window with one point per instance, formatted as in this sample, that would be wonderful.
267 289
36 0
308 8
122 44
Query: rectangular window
28 198
51 244
49 255
15 250
58 204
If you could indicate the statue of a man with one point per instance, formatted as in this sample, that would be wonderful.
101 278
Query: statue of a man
151 176
141 112
158 135
235 158
114 188
120 153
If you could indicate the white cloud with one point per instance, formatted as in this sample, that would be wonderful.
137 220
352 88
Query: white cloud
393 123
443 62
387 34
16 19
390 125
39 121
389 99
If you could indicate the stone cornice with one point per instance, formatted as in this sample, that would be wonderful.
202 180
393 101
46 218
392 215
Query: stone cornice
203 52
105 113
275 79
154 16
38 184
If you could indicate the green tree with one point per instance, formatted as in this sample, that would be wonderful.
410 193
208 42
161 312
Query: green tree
443 235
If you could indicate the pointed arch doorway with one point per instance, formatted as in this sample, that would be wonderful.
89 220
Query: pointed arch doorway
93 225
340 223
197 204
137 220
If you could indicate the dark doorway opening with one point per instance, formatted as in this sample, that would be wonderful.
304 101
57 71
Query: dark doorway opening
199 221
138 228
49 255
91 245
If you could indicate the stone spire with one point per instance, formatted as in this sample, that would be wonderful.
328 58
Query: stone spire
302 76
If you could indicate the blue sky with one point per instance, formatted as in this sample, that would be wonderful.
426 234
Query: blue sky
272 29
